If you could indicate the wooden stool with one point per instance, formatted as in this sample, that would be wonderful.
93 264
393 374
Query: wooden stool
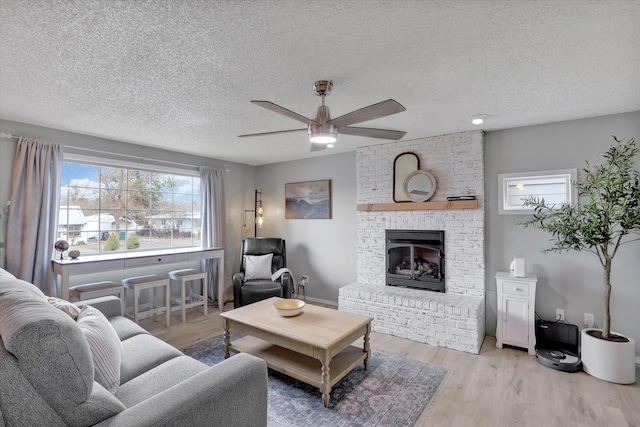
190 300
96 290
151 281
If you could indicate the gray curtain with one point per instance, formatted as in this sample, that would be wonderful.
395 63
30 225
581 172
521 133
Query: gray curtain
213 224
32 221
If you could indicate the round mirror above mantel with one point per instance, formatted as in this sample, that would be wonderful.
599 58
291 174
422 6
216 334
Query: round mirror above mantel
419 186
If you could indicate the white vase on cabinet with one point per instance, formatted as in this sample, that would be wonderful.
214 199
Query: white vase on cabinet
516 311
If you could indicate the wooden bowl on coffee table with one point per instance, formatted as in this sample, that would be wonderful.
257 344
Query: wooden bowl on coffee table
288 307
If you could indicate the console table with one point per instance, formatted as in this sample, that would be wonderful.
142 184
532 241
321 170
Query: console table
122 261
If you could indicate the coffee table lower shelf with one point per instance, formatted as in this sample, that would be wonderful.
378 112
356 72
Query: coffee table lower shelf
297 365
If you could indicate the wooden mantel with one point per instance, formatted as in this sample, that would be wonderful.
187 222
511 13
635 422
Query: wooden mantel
411 206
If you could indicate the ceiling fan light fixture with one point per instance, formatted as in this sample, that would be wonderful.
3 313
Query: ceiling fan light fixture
479 119
323 130
326 134
323 139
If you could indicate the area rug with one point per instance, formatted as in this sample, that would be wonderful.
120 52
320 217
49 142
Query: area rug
394 391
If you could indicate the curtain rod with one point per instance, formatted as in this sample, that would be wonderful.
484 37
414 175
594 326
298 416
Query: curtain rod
141 159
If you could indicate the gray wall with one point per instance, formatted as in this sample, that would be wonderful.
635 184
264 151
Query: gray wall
324 249
572 280
238 182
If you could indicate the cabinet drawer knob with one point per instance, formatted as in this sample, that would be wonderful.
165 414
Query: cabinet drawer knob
517 289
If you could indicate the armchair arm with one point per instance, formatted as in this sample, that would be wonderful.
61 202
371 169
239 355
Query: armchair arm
109 306
287 284
231 393
237 280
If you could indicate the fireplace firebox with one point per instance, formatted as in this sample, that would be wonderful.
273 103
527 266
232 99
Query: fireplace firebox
415 258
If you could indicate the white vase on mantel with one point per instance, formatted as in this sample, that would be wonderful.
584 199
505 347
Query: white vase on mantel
608 360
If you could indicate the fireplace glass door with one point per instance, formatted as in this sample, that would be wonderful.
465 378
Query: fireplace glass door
416 261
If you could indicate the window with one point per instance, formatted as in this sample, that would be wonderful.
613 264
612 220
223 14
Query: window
106 208
552 186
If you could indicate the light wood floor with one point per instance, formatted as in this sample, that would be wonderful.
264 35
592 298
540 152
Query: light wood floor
498 387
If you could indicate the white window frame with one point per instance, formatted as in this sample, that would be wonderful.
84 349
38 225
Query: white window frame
509 181
121 161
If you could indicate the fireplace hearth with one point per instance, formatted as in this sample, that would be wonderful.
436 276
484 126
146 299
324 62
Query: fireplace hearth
415 259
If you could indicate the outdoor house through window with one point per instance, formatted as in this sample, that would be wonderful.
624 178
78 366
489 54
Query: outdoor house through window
106 208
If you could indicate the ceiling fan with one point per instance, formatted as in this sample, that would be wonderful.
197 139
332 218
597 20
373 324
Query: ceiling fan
323 130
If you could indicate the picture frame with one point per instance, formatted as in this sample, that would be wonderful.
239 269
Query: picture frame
308 200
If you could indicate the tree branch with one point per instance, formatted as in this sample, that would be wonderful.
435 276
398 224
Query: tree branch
602 256
629 241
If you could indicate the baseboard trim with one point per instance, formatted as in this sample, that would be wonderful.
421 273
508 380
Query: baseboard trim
321 301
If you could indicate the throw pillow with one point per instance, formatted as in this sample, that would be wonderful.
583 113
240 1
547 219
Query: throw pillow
257 266
106 348
69 308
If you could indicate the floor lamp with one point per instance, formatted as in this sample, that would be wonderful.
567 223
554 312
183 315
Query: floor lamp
258 215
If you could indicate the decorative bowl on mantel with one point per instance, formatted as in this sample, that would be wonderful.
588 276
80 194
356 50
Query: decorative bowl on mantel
288 307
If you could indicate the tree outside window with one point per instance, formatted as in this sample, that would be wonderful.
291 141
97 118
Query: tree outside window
106 209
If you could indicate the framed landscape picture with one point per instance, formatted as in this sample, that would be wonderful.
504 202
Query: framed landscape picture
308 200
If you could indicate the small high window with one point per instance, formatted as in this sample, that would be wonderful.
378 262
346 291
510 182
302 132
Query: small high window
553 186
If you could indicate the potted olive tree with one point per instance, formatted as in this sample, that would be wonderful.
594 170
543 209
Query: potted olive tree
606 217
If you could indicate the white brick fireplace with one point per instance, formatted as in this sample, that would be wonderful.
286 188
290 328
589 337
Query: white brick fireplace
454 319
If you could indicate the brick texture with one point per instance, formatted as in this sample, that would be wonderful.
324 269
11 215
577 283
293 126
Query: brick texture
457 163
454 319
443 320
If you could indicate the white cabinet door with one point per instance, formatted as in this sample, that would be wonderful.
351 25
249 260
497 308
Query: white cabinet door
516 321
516 310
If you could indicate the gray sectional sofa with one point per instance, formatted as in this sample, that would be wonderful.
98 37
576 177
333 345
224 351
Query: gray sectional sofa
48 372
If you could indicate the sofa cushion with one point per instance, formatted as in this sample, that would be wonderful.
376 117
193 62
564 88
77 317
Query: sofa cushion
51 351
106 348
257 266
158 379
21 404
125 328
7 277
142 353
5 273
52 354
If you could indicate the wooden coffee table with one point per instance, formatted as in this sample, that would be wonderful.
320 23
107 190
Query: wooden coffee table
313 347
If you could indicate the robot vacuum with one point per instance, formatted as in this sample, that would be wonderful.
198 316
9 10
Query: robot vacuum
557 346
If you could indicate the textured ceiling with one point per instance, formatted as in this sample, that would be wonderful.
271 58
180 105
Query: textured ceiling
180 74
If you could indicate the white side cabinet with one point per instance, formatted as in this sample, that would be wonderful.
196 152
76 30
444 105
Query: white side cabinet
516 311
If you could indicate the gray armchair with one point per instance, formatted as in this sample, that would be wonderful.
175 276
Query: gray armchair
247 288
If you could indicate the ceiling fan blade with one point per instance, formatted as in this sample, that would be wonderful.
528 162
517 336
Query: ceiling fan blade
381 109
270 133
372 133
315 146
281 110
